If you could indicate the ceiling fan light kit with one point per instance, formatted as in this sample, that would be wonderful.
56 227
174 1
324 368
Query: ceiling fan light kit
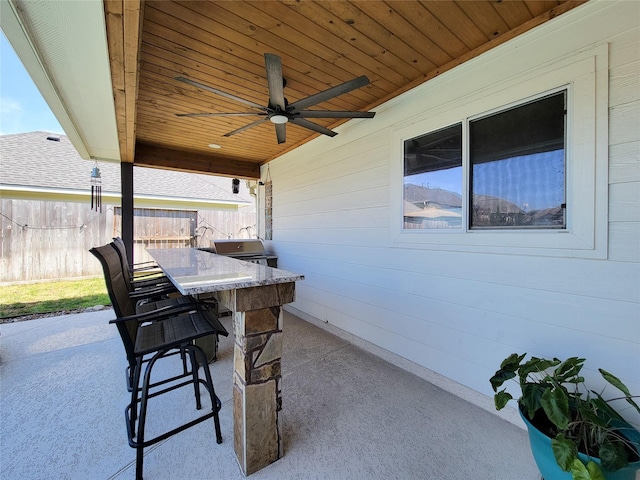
279 111
279 119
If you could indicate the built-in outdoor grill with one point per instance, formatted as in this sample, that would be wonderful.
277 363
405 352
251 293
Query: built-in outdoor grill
250 250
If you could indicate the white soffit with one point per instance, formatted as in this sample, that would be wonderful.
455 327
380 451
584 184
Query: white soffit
63 46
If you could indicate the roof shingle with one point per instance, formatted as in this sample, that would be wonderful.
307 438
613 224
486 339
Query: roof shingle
32 160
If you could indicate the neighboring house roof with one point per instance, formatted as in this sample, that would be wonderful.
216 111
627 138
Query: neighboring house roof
35 165
419 194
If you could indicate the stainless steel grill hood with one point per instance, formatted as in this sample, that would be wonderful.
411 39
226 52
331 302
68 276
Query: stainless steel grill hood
237 248
250 250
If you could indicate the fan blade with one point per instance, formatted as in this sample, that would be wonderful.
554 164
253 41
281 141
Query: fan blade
239 114
332 114
281 132
330 93
246 127
312 126
274 79
218 92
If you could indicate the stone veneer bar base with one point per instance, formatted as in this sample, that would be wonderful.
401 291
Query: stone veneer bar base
257 377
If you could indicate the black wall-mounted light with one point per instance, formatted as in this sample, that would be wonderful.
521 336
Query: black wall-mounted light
235 185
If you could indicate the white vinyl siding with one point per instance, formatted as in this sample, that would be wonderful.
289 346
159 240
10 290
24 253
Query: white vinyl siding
624 149
459 311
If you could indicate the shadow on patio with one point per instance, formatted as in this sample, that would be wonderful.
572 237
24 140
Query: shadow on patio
348 414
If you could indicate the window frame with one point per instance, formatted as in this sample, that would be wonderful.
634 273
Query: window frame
585 77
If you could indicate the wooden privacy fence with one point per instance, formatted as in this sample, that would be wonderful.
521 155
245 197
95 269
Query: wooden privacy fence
43 240
158 228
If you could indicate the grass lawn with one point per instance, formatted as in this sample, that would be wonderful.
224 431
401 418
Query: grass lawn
46 297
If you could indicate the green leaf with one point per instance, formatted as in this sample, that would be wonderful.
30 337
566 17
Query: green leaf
569 368
575 380
500 377
633 404
613 456
594 471
604 411
579 471
535 365
531 394
512 362
593 415
616 382
590 472
555 403
507 371
565 452
501 399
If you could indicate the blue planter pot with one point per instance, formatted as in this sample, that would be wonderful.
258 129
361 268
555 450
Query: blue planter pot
549 469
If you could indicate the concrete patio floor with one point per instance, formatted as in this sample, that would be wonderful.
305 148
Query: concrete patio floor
348 414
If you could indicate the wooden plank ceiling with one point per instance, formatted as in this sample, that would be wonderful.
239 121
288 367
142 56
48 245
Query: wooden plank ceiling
397 44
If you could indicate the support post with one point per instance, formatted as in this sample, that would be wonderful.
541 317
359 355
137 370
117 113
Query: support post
126 180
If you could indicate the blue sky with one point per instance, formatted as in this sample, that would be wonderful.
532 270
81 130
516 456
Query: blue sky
22 108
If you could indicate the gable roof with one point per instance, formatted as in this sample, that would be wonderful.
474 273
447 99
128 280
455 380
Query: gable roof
47 164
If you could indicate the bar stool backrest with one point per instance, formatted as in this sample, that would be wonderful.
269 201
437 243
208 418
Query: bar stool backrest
118 293
121 250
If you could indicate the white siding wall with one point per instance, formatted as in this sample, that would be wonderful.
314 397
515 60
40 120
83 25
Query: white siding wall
459 312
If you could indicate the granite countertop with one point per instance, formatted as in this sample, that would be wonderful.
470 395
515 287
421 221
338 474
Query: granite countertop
195 271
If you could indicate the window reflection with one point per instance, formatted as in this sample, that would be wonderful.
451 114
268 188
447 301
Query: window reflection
433 180
520 191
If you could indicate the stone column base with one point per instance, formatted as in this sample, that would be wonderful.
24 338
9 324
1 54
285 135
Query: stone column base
257 377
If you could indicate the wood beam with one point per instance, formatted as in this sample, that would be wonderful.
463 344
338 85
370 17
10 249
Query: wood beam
124 34
159 157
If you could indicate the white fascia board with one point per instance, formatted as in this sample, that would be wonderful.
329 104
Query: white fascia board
44 194
14 189
191 200
151 201
63 47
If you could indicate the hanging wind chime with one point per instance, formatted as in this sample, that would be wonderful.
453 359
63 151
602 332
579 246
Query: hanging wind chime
96 189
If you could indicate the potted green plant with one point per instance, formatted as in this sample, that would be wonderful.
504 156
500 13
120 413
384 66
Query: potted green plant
574 432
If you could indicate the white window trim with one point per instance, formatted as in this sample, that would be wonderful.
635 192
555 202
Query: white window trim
585 75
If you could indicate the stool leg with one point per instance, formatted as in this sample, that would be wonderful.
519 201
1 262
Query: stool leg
215 401
144 398
139 459
133 413
183 356
194 371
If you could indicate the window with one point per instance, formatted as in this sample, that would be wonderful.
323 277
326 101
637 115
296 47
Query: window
433 179
525 153
516 173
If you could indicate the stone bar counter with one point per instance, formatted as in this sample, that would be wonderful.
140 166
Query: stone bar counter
255 294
